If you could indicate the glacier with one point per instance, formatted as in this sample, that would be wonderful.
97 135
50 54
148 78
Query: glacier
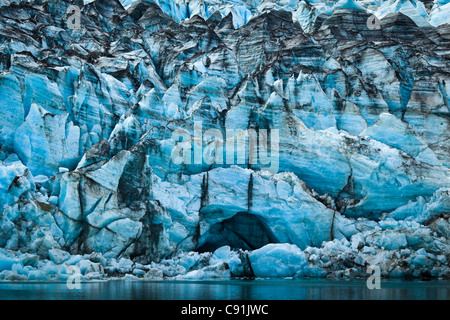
354 117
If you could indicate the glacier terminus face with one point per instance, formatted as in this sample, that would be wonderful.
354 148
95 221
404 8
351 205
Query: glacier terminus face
207 139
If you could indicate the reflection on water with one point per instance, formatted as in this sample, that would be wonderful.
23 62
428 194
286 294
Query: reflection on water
228 290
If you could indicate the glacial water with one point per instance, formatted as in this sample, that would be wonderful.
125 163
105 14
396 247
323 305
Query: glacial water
228 290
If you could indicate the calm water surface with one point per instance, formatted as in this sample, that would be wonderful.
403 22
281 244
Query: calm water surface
227 290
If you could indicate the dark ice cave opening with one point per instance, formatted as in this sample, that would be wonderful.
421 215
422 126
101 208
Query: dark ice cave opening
243 231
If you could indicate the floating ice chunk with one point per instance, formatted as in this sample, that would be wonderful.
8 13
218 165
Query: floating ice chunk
310 272
420 260
277 260
217 271
87 266
48 267
388 239
231 258
153 274
222 253
12 276
98 258
139 272
58 256
37 275
6 263
28 259
125 265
